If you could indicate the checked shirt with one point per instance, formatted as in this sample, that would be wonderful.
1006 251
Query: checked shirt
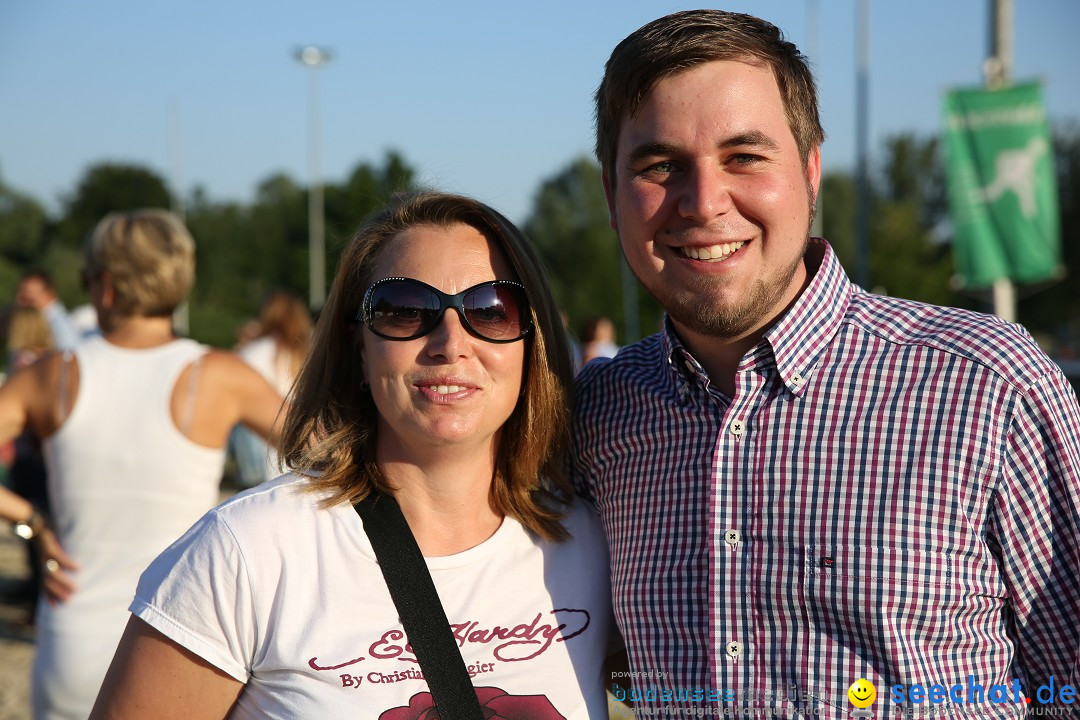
893 493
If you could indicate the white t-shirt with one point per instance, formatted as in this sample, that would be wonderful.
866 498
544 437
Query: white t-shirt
288 598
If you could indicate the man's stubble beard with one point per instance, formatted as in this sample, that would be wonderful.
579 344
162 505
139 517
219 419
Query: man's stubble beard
731 321
686 308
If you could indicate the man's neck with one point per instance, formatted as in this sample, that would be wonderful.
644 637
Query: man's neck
719 357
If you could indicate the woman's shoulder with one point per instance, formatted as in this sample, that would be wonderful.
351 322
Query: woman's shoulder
274 507
581 558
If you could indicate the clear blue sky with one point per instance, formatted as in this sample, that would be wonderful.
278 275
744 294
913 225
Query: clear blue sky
486 98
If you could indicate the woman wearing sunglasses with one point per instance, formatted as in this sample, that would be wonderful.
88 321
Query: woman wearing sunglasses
440 376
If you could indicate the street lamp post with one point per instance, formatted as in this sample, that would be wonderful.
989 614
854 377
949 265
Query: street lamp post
998 71
313 58
862 145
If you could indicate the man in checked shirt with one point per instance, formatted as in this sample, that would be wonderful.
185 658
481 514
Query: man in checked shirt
804 484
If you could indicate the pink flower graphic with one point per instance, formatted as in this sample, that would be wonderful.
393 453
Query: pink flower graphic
497 705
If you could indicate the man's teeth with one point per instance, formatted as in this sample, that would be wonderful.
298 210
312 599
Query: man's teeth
712 252
447 389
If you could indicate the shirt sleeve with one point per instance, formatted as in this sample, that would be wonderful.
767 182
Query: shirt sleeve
198 594
63 331
1036 519
576 464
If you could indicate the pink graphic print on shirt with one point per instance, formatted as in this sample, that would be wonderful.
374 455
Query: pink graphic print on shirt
496 703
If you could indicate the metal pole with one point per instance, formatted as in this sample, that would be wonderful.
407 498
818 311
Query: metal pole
314 58
181 315
317 239
817 228
862 174
998 70
175 157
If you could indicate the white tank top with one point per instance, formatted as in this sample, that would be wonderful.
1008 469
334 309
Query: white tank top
124 482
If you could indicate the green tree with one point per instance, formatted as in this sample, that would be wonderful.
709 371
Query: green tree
367 188
1054 309
23 224
838 215
907 208
23 227
570 226
226 286
105 188
909 204
246 251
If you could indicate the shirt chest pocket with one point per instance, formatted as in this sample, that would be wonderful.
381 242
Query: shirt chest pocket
912 615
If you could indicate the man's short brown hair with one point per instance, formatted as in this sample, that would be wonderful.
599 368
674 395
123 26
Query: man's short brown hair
684 40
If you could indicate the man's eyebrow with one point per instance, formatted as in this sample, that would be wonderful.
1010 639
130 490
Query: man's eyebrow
652 149
753 138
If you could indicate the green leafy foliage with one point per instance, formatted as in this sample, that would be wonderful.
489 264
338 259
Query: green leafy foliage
907 208
246 250
243 251
106 188
22 231
1054 309
570 226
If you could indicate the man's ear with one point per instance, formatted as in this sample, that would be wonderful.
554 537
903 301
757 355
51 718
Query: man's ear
609 194
813 170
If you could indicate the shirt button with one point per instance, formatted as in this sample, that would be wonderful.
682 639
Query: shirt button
732 537
733 649
736 427
796 379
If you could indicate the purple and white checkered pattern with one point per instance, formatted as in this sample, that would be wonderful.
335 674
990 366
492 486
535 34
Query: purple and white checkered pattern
893 494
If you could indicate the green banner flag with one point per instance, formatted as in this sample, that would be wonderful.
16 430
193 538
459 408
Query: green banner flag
1002 191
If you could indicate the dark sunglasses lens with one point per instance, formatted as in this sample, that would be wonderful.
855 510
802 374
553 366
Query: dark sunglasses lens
497 312
403 310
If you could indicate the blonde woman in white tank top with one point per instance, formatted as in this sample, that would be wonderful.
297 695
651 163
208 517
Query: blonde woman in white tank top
134 425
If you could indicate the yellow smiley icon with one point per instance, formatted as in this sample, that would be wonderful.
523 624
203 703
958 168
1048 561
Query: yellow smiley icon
862 693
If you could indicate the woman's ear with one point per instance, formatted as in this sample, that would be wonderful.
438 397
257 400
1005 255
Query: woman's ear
108 290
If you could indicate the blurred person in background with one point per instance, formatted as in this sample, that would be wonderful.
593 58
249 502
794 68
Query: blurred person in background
276 351
133 425
29 338
36 291
439 377
598 339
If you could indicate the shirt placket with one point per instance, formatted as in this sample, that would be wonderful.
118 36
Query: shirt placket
735 617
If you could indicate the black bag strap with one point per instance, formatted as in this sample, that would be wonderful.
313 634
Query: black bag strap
418 605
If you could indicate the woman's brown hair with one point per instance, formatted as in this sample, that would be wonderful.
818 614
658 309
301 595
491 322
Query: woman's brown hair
284 317
331 426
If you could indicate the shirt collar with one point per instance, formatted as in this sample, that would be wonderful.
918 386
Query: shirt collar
685 371
798 339
800 336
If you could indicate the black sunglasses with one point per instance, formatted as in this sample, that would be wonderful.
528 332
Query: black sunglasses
399 308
